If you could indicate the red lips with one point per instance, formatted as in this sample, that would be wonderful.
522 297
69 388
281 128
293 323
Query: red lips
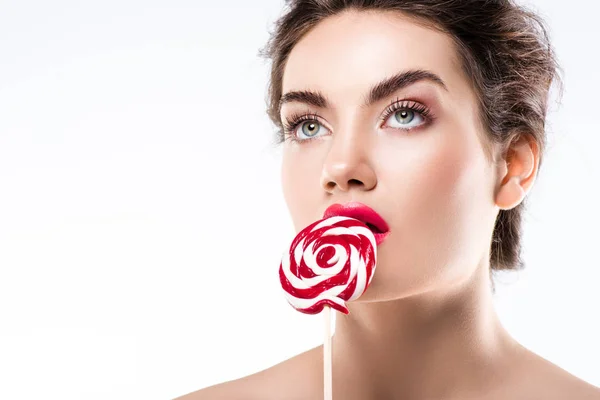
363 213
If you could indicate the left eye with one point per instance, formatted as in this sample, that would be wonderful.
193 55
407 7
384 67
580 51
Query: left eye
403 118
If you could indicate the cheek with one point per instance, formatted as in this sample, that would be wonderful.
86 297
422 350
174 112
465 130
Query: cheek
425 175
300 177
434 184
433 196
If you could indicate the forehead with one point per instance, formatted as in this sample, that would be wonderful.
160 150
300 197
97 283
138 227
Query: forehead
345 54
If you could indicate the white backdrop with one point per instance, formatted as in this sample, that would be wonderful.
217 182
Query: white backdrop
141 214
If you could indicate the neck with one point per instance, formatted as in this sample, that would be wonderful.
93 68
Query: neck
439 344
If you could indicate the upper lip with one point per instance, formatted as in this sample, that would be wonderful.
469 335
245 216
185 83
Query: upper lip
358 211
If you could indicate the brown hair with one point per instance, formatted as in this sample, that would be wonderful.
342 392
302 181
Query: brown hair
504 51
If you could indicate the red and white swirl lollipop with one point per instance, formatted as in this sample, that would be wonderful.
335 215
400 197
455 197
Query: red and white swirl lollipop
329 262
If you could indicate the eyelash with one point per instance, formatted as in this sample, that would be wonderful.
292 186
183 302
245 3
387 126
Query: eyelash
396 105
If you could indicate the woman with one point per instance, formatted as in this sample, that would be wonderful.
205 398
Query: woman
432 113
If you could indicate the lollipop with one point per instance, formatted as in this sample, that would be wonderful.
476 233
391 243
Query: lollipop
329 262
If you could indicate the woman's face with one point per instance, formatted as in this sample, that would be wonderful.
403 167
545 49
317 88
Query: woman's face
432 183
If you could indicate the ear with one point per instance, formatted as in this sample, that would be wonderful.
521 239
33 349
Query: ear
517 172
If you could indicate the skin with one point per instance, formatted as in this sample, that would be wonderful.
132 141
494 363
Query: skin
426 328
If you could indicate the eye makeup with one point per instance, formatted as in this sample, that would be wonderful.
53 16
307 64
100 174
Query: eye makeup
299 119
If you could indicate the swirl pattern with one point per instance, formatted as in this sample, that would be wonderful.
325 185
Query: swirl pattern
329 262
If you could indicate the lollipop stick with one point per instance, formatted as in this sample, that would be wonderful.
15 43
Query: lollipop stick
327 385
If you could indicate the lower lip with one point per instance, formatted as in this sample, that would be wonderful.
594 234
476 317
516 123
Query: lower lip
380 237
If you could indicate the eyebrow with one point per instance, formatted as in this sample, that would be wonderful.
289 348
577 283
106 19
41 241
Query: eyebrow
377 92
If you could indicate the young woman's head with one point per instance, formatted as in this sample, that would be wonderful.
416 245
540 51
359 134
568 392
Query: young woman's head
431 112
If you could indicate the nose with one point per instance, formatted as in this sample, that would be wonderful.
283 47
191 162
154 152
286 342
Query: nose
347 164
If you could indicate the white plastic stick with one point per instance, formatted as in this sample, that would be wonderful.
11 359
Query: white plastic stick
327 384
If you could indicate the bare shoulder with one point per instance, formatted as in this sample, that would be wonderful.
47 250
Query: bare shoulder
226 391
545 380
565 385
561 384
287 380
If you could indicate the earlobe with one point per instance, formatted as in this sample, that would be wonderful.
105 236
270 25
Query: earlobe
511 194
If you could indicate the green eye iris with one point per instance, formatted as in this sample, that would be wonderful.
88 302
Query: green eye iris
406 115
312 128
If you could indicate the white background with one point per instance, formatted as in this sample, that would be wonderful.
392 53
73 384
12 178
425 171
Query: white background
141 215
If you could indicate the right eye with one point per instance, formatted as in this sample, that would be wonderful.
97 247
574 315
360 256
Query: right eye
303 128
